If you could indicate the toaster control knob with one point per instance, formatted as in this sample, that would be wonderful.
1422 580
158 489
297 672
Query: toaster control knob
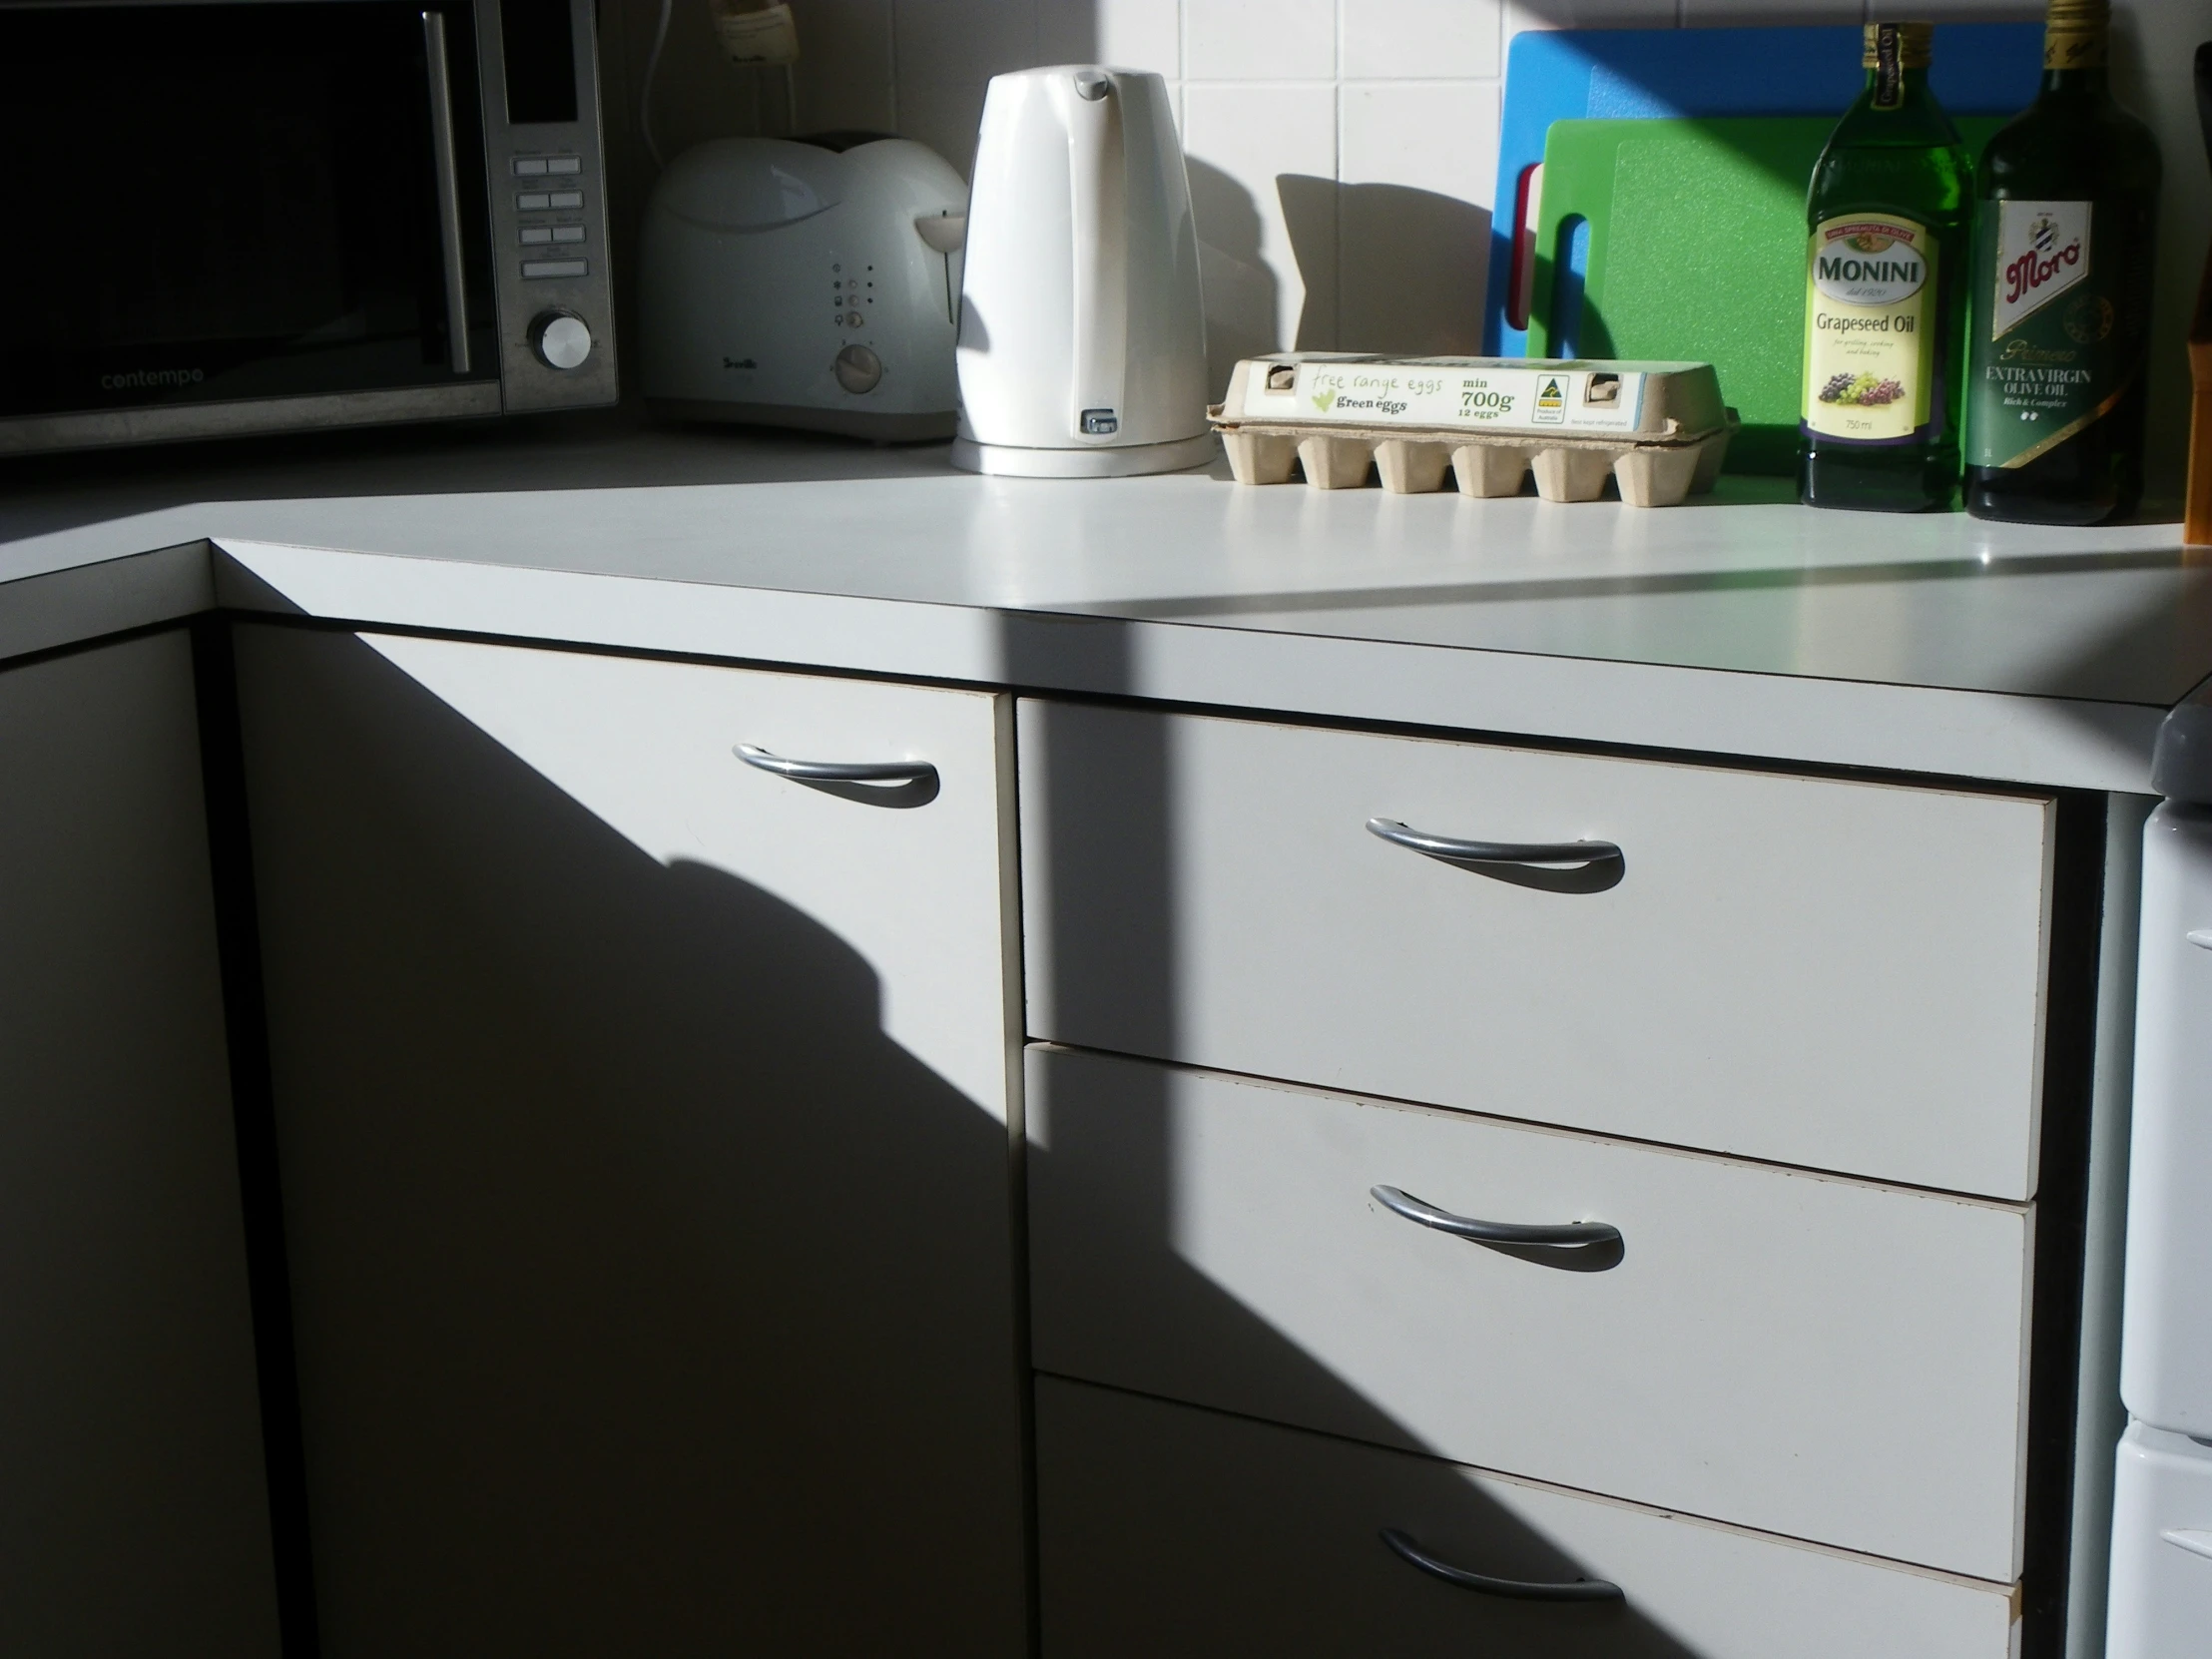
859 369
560 339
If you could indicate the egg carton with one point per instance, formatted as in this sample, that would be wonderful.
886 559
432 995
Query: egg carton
1658 429
1567 467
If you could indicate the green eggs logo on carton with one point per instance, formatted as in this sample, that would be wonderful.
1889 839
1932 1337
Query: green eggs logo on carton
1868 265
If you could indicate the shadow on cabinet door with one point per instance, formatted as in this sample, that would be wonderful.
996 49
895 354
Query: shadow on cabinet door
133 1511
649 1298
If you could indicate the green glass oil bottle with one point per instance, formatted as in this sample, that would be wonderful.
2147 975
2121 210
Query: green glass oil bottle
1887 215
2062 291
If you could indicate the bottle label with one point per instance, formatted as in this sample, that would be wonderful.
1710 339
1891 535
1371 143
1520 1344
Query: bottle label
1888 67
1871 338
2042 250
2044 360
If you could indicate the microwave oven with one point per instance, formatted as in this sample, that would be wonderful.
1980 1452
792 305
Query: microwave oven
254 215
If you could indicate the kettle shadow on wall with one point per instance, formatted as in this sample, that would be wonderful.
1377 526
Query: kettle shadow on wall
1383 267
1410 271
1386 268
1238 289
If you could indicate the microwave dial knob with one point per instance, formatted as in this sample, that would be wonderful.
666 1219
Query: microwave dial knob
560 339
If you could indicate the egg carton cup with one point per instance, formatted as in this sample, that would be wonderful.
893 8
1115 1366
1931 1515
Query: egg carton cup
1569 467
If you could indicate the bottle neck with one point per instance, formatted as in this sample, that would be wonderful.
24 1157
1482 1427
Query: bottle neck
1912 85
2077 40
2092 82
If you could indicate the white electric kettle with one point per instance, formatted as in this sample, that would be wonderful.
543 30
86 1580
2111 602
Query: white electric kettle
1082 350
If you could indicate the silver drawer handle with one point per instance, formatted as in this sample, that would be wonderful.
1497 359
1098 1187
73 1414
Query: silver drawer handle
1573 1235
878 783
1480 855
1575 1589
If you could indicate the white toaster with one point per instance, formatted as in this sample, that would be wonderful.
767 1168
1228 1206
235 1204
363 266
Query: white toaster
807 284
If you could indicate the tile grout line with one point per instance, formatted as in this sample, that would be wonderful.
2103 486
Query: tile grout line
1336 175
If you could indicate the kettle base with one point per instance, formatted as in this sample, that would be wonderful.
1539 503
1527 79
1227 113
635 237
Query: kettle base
1130 460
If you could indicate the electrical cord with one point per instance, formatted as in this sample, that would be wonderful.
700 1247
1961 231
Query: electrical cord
652 74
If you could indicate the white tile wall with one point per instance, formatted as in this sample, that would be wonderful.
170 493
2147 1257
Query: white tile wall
1133 34
1342 151
1589 14
1717 13
1260 40
1425 40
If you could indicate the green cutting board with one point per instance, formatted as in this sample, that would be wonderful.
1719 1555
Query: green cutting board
1696 252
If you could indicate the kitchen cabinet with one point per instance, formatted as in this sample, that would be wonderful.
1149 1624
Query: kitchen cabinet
645 1123
1333 1030
646 1120
133 1504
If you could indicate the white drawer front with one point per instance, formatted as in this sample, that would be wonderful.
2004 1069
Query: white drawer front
648 746
1837 974
1799 1354
1180 1535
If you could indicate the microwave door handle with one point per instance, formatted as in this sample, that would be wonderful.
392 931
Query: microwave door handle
450 189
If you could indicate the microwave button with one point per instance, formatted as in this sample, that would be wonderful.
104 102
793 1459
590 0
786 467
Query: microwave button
539 270
533 202
535 234
565 199
564 164
568 233
529 167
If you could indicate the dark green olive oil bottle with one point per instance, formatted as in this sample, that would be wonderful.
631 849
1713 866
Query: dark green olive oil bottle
1886 215
2061 286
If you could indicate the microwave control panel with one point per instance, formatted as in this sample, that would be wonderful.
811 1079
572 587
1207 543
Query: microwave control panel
547 183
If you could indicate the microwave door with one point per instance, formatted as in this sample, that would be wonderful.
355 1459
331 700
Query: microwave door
236 202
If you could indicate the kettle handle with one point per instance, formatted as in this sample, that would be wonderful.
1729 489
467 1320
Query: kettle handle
1099 214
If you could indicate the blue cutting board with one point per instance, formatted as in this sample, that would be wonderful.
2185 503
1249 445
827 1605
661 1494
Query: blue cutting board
1641 74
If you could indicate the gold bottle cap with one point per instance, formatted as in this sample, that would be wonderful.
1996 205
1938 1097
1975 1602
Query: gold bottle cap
1916 43
2075 33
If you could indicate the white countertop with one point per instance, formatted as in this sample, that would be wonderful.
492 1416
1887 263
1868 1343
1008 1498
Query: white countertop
1744 627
